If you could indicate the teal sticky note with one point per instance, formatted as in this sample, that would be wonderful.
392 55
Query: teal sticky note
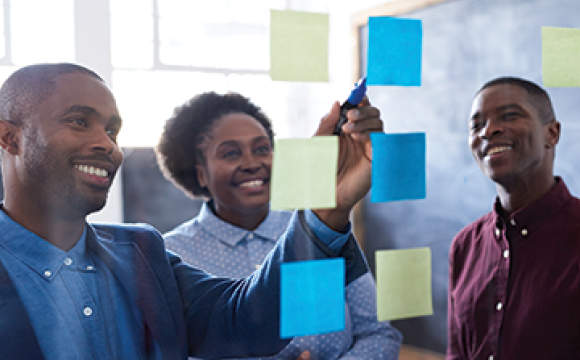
403 283
394 51
298 46
560 57
312 297
304 173
398 167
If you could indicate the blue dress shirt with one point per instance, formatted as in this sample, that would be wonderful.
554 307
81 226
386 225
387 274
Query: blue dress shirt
64 293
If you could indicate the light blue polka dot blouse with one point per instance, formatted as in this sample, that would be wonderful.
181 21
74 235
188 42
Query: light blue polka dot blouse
223 249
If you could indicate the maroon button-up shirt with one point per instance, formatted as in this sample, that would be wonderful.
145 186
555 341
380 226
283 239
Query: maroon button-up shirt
514 284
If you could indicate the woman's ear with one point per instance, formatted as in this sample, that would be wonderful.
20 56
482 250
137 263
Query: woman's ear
201 175
8 138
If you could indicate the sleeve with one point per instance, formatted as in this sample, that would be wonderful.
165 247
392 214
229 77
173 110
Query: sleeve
245 313
372 339
453 351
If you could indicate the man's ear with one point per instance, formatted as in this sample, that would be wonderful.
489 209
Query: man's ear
201 175
8 138
552 134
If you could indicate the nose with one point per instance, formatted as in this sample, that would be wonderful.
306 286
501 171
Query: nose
250 164
491 128
102 142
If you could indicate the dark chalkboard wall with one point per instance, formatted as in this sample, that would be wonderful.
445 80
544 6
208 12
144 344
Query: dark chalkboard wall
148 197
465 43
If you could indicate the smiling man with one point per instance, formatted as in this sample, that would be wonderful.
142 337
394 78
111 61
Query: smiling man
514 285
74 290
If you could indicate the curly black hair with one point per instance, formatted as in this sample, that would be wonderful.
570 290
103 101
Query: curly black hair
178 152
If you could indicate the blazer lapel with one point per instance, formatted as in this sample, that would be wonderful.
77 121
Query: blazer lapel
141 285
17 338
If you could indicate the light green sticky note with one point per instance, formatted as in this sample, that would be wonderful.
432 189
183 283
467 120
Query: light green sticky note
560 56
304 173
298 46
403 283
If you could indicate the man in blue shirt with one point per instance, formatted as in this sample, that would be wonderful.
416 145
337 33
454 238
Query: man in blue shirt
73 290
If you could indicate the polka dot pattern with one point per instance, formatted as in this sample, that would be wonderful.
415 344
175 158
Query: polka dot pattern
223 249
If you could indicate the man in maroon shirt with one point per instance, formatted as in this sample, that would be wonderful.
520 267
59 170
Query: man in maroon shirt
514 279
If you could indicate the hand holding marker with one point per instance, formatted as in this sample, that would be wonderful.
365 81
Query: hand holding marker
355 98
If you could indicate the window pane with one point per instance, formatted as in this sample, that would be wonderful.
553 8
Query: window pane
132 33
147 98
42 31
217 34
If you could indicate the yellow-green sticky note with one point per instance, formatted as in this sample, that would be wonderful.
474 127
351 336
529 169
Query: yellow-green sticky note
560 56
298 46
403 283
304 173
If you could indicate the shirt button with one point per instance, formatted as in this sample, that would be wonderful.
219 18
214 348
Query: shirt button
506 253
87 311
90 267
47 273
497 232
513 222
258 266
524 232
250 236
490 357
68 261
499 306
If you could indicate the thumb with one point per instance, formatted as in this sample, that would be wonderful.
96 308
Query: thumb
304 356
328 122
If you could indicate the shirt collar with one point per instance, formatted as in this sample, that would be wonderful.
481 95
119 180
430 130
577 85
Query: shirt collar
270 229
534 215
39 255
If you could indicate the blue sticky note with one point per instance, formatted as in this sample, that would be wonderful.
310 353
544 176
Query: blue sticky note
398 167
312 297
394 51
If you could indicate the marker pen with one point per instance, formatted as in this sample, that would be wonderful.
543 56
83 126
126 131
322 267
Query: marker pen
356 96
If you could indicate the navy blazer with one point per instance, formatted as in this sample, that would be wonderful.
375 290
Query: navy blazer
185 310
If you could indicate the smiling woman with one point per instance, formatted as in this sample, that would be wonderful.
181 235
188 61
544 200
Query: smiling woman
228 163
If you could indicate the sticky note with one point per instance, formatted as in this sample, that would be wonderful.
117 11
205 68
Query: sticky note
394 51
398 167
304 173
312 297
560 57
403 283
298 46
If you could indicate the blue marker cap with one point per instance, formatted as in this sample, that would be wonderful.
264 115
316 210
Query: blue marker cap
358 93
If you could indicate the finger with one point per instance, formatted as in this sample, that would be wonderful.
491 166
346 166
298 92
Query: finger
328 122
304 356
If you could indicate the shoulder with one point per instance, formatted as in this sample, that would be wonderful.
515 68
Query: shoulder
471 233
126 232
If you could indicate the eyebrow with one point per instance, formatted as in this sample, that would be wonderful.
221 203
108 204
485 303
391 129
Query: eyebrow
498 109
90 111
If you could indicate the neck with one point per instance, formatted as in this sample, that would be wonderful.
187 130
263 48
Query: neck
249 220
518 194
50 224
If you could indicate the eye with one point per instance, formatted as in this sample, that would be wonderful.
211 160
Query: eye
113 133
231 154
263 150
80 121
510 116
475 125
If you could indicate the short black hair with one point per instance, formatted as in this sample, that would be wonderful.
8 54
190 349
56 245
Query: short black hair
538 96
178 151
29 86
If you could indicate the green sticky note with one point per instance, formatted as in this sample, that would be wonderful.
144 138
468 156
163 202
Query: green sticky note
403 283
560 56
298 46
304 173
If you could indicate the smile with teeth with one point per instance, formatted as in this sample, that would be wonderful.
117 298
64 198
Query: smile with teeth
253 183
91 170
499 149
